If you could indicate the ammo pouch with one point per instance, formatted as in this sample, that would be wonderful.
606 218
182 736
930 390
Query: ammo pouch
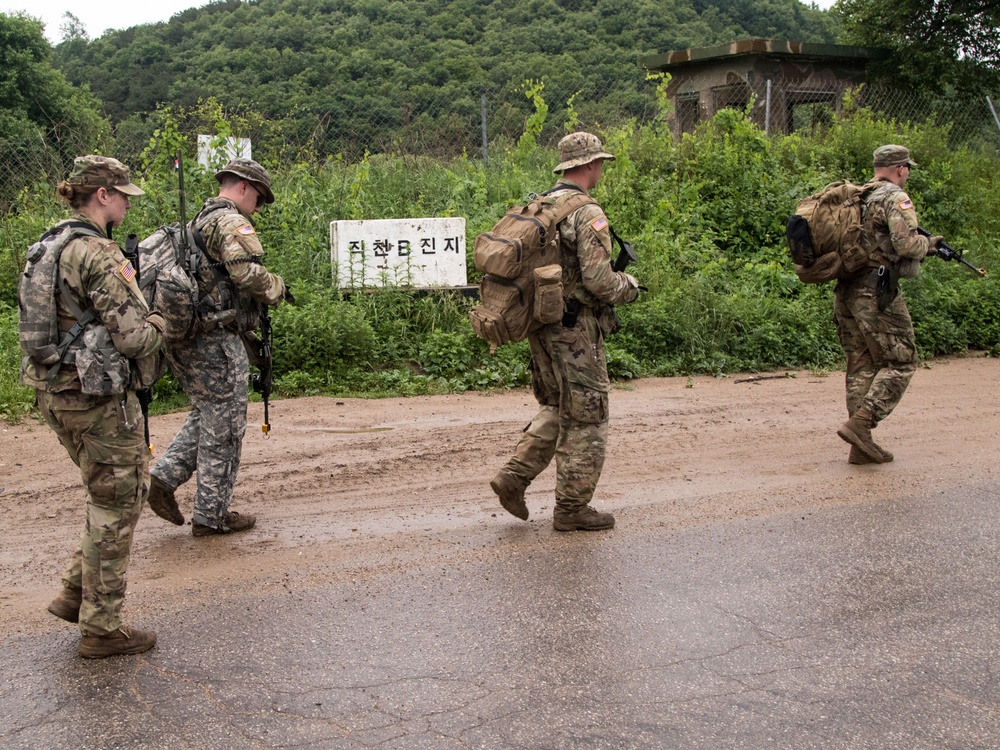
548 302
102 369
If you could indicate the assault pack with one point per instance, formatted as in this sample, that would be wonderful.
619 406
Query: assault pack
521 288
171 258
87 346
826 234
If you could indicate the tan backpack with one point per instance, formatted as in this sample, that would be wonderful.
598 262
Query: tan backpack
521 289
826 234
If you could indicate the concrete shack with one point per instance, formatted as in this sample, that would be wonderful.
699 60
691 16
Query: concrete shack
781 75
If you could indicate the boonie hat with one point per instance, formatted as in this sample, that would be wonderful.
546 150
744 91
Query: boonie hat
580 148
252 172
893 156
102 171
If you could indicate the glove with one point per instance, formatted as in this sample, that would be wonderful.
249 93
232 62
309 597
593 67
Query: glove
633 285
934 242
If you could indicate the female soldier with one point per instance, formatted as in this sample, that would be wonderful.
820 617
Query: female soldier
86 368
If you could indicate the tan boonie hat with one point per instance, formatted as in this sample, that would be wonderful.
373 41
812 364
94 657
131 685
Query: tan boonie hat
102 171
252 172
893 156
580 148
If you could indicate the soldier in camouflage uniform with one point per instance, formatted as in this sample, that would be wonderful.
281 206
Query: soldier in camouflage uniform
878 336
102 433
569 373
213 367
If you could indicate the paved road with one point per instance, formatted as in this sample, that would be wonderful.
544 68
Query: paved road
860 626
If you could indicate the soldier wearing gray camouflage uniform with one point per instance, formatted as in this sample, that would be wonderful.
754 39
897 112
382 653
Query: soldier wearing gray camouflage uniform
98 420
213 367
878 338
569 372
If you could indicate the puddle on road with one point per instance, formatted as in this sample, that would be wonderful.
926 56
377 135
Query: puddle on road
341 430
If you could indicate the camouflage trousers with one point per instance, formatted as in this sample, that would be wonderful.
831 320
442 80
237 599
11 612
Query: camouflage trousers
880 346
569 375
213 371
103 436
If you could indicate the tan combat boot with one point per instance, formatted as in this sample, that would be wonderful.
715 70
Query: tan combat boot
231 522
584 519
66 606
511 494
161 500
858 432
857 457
122 641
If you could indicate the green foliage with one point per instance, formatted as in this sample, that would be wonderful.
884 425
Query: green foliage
318 66
705 215
938 45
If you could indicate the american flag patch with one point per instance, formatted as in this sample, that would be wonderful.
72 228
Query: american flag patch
906 204
126 271
246 230
601 222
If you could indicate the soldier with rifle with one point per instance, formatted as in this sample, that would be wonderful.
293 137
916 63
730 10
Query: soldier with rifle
213 366
569 371
873 322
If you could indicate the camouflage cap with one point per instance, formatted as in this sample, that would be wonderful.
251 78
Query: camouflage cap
102 171
893 156
252 172
580 148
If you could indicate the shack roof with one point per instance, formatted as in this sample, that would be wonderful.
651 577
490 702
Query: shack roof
765 48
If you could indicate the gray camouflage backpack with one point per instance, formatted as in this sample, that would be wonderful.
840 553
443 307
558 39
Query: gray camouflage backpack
171 262
87 345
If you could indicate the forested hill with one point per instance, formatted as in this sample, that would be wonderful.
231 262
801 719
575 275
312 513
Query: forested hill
322 55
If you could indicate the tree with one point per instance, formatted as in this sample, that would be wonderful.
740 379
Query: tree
939 44
44 121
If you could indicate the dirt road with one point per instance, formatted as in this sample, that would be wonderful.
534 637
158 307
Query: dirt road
349 487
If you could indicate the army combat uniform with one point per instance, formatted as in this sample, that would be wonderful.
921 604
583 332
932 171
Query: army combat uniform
879 342
213 367
569 372
102 433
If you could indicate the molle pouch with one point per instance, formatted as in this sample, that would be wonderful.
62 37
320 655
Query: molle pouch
490 326
174 294
548 307
102 369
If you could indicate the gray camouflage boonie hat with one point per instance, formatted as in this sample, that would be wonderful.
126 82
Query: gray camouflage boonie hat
580 148
893 156
251 171
102 171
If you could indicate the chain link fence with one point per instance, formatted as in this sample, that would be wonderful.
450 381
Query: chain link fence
444 125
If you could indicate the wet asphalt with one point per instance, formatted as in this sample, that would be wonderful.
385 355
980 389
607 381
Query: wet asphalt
860 626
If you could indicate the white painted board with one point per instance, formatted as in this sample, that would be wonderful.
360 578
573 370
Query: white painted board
218 157
398 252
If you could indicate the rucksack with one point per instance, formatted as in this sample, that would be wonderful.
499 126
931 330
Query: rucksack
169 282
521 288
38 318
826 234
87 346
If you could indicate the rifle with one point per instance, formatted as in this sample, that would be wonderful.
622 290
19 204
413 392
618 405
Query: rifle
261 381
145 396
626 254
947 252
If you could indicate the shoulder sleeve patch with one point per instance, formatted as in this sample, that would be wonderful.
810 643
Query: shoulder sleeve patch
906 204
246 229
126 271
601 222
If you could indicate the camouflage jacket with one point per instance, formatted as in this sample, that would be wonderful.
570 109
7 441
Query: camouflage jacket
585 247
97 274
232 240
891 225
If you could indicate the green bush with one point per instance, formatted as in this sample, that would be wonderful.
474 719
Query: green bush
706 215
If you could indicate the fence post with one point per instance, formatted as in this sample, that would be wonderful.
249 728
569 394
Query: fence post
767 110
993 110
482 116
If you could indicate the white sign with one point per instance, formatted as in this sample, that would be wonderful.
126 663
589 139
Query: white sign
399 252
220 155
